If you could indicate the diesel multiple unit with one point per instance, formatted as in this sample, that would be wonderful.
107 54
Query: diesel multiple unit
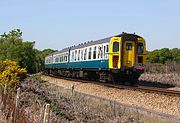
118 58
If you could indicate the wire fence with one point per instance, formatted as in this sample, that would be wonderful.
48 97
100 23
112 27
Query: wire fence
66 104
13 113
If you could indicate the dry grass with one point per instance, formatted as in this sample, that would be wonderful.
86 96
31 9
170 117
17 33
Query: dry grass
65 107
171 79
2 117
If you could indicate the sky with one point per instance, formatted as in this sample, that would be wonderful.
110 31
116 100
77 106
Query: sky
57 24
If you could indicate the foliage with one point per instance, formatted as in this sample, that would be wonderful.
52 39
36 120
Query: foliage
40 56
13 47
164 55
11 73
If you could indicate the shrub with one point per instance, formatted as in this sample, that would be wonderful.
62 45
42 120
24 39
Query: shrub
11 73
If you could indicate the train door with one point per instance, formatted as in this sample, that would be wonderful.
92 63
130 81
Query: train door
114 54
128 53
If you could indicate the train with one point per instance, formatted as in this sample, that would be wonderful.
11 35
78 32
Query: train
116 59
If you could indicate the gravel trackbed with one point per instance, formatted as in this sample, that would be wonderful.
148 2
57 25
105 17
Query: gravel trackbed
167 104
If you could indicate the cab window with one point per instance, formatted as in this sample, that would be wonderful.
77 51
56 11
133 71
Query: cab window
129 46
115 46
140 48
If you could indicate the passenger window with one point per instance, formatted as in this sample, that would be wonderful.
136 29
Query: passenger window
89 54
78 55
85 54
63 58
140 48
129 46
66 58
99 52
115 46
72 58
104 51
60 58
56 59
75 56
107 48
94 53
81 54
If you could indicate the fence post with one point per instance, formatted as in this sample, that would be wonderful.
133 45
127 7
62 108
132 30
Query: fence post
4 97
5 88
17 98
16 105
114 106
72 88
46 114
34 112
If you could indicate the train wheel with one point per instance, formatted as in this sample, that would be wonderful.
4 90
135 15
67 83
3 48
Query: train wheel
110 78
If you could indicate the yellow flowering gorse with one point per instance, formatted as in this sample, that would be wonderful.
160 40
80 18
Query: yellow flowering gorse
11 73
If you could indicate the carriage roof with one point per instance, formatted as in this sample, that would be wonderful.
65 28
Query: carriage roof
90 43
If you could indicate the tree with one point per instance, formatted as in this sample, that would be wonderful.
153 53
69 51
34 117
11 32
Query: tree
175 54
154 56
165 55
28 56
40 57
147 56
10 44
12 47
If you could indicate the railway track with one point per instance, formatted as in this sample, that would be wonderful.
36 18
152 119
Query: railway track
147 89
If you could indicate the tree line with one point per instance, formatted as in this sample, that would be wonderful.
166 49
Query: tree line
164 55
13 47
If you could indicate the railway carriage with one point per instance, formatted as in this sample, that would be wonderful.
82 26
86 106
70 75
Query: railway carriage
118 58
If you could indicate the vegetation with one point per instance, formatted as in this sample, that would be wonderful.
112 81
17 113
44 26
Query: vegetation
65 108
11 73
164 55
14 48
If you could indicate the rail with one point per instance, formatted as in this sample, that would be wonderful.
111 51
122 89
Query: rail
165 91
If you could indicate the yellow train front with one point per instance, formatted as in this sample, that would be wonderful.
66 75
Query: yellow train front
127 57
117 59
